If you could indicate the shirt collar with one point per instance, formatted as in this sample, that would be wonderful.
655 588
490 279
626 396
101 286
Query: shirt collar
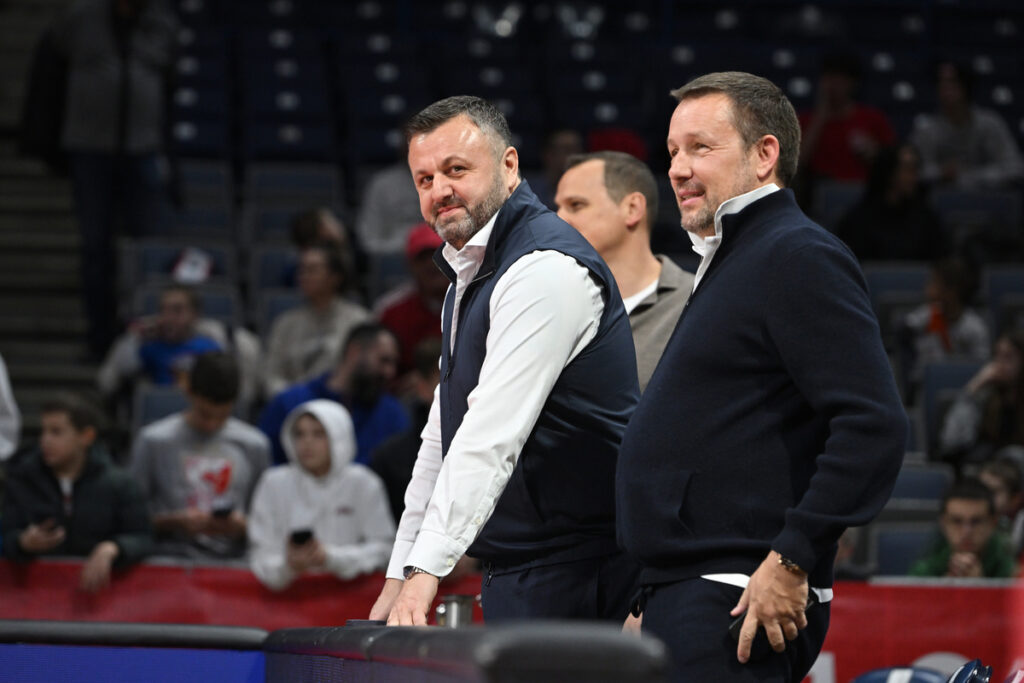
729 206
476 245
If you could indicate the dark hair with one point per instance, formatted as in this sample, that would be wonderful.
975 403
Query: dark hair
843 63
363 336
482 113
194 300
334 259
1002 419
304 227
215 377
82 413
962 74
958 275
426 355
884 167
970 488
759 108
623 175
1006 471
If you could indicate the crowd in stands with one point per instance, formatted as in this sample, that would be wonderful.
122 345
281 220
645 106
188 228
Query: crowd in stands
297 432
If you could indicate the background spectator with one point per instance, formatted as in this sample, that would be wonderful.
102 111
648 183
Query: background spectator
198 468
365 367
159 349
946 326
841 135
559 144
321 226
10 416
66 497
413 312
304 341
393 459
963 145
119 53
969 544
1003 477
988 414
389 206
893 220
321 512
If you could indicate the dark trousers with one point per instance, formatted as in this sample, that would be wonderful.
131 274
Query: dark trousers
692 618
594 588
113 194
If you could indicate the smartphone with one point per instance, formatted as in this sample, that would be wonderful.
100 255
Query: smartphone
761 646
301 536
222 511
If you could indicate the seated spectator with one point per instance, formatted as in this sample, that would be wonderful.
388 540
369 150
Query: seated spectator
389 206
320 226
969 545
413 312
841 136
159 349
304 341
893 220
321 512
366 365
558 145
988 415
1003 477
393 460
198 468
962 145
10 416
66 497
946 326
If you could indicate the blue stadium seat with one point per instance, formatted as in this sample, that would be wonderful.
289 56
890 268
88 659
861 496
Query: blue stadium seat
152 261
968 213
200 138
900 674
921 485
205 183
151 403
895 546
832 199
268 224
270 266
1003 289
289 142
272 303
940 383
207 222
204 100
296 186
220 302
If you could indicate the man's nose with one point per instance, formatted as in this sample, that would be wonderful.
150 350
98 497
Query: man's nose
680 168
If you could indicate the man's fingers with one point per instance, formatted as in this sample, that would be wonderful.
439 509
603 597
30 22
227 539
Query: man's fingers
741 606
746 639
419 618
775 636
790 630
801 621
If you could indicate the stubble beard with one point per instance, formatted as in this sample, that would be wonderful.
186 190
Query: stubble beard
460 230
703 221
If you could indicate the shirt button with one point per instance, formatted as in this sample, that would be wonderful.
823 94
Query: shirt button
477 521
451 562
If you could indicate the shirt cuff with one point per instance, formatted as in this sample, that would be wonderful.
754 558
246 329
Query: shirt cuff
434 553
396 567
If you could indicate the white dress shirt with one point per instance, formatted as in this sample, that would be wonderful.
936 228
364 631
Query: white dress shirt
544 310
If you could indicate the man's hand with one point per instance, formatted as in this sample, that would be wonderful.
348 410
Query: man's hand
632 625
41 538
414 600
309 555
382 608
775 598
232 526
96 572
965 565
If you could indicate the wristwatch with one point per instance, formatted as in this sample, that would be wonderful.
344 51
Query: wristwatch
790 565
409 571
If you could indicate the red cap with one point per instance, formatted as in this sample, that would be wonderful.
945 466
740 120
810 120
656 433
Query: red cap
420 239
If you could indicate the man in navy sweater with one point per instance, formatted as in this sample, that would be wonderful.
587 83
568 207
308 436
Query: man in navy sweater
772 422
538 380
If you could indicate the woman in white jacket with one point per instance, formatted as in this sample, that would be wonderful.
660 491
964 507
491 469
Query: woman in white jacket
321 512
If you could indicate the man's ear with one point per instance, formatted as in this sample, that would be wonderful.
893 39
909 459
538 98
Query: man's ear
766 161
510 165
634 207
89 435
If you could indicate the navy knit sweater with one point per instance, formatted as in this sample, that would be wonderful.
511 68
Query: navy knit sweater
773 420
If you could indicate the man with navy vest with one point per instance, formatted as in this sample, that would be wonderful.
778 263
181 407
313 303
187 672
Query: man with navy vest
772 423
538 380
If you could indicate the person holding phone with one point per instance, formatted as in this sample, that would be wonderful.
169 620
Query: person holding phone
322 512
68 498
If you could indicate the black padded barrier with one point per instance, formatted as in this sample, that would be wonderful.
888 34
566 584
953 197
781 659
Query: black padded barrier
528 652
131 635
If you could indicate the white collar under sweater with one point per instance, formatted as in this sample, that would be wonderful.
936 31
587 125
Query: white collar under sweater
707 246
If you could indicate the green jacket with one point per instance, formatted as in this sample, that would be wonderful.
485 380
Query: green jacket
996 559
106 504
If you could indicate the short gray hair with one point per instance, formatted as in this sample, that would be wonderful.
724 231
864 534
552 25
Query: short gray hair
759 108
